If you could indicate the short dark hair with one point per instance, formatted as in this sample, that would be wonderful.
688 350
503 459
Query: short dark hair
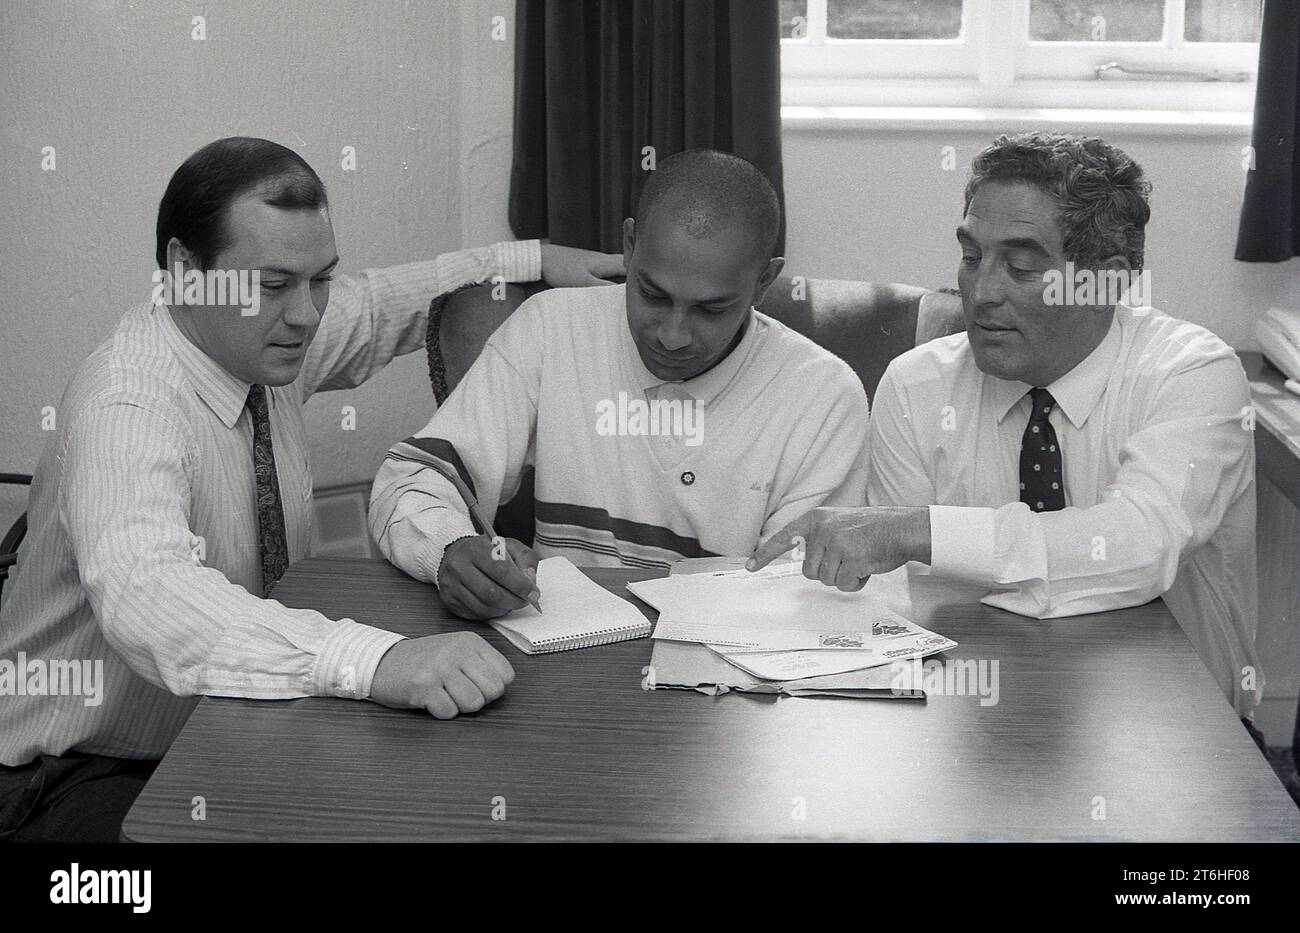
707 189
1100 191
194 206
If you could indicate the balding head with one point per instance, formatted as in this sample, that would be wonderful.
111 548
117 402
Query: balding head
698 256
708 194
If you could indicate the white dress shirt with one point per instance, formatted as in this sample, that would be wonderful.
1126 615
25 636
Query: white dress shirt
1159 463
142 548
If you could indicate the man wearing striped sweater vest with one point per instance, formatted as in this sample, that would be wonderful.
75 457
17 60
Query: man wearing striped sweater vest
665 418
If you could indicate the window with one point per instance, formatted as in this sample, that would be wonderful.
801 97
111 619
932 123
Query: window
1096 53
884 38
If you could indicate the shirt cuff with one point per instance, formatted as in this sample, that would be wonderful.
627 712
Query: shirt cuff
962 542
347 661
518 260
428 561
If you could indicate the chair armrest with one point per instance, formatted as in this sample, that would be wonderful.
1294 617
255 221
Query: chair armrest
14 536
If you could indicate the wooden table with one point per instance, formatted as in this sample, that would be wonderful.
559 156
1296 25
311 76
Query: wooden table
1108 727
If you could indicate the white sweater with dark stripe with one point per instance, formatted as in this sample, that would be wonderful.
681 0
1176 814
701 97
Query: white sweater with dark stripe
784 429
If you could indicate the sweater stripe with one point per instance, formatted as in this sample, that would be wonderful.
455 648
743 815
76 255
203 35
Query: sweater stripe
639 533
434 448
581 544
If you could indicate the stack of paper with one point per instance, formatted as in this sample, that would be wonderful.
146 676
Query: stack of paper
723 627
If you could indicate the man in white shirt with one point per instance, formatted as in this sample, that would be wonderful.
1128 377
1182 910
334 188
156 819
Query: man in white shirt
176 491
1073 455
756 424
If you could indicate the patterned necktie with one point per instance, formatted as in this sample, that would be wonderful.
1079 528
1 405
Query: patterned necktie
270 514
1042 486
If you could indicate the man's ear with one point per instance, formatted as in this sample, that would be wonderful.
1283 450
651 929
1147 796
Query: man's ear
766 278
629 240
1116 262
177 254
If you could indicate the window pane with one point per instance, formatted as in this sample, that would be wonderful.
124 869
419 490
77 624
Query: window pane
1222 20
789 10
893 19
1096 20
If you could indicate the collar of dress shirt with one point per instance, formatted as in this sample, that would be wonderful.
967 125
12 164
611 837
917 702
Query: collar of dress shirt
705 387
1078 391
220 391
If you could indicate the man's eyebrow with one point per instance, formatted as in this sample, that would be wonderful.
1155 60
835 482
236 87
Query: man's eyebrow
1026 243
721 300
281 270
1023 242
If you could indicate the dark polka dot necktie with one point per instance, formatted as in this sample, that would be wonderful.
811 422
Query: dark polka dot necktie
270 513
1042 485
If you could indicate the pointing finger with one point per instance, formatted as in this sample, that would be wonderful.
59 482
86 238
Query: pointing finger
779 543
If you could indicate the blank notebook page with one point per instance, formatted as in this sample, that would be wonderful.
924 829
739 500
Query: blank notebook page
577 613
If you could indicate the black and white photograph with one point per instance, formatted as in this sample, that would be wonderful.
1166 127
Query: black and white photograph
650 421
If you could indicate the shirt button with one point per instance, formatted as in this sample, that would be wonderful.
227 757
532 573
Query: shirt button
688 478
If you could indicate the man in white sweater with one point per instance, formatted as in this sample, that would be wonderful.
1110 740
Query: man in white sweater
666 418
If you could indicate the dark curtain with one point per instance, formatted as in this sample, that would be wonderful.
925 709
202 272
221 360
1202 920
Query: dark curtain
598 80
1270 214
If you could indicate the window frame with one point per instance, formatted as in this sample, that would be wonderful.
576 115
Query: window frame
993 63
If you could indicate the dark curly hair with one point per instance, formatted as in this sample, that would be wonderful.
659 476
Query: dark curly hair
1100 191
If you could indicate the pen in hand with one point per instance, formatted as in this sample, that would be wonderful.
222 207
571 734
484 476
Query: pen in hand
536 601
485 526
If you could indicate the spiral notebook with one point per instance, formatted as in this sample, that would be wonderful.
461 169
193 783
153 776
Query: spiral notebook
576 613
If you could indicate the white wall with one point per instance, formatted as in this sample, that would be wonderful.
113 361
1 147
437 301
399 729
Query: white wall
124 93
486 108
